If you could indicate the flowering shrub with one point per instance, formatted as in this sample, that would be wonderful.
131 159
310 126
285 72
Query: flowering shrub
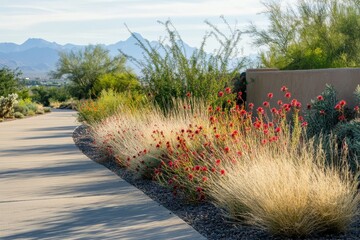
251 161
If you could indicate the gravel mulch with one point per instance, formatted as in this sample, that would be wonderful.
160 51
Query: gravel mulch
204 218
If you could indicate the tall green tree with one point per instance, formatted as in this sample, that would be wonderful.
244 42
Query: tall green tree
310 34
9 81
85 67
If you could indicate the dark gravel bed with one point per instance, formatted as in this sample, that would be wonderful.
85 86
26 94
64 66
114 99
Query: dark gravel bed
205 218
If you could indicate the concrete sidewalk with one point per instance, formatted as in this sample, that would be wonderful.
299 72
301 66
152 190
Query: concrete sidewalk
50 190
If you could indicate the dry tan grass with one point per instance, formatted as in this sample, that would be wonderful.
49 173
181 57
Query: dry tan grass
292 193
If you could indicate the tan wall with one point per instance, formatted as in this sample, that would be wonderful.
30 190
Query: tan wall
304 85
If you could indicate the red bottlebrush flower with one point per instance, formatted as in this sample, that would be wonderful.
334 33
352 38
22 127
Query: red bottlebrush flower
234 133
342 118
301 118
260 110
298 105
204 179
288 95
210 109
271 124
197 168
342 103
293 102
279 102
242 112
228 90
356 108
227 149
322 112
270 95
170 182
308 106
213 169
320 98
278 129
274 110
204 169
239 153
188 94
240 94
217 136
220 94
266 104
170 163
266 131
222 172
191 177
283 89
263 142
218 161
199 189
228 101
337 107
304 124
251 105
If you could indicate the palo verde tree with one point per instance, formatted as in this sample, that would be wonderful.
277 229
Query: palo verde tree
310 34
85 67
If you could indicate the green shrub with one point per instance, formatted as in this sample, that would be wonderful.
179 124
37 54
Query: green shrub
31 113
1 119
24 105
349 133
39 111
47 109
170 72
7 105
322 116
18 115
91 111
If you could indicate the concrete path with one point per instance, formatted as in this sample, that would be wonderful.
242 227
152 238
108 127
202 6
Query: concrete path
50 190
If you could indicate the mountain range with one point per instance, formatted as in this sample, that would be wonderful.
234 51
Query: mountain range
36 57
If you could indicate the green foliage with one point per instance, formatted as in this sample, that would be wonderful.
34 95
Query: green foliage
18 115
93 111
118 82
24 106
349 133
169 72
7 105
85 67
9 81
322 116
45 95
314 34
47 109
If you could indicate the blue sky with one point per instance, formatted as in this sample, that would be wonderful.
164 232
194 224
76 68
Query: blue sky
102 21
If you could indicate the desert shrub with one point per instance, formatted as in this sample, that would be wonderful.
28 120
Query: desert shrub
47 109
31 113
321 114
349 133
170 72
1 119
24 106
91 111
18 115
9 81
7 105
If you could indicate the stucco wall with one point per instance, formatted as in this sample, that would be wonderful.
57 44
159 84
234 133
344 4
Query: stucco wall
304 85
